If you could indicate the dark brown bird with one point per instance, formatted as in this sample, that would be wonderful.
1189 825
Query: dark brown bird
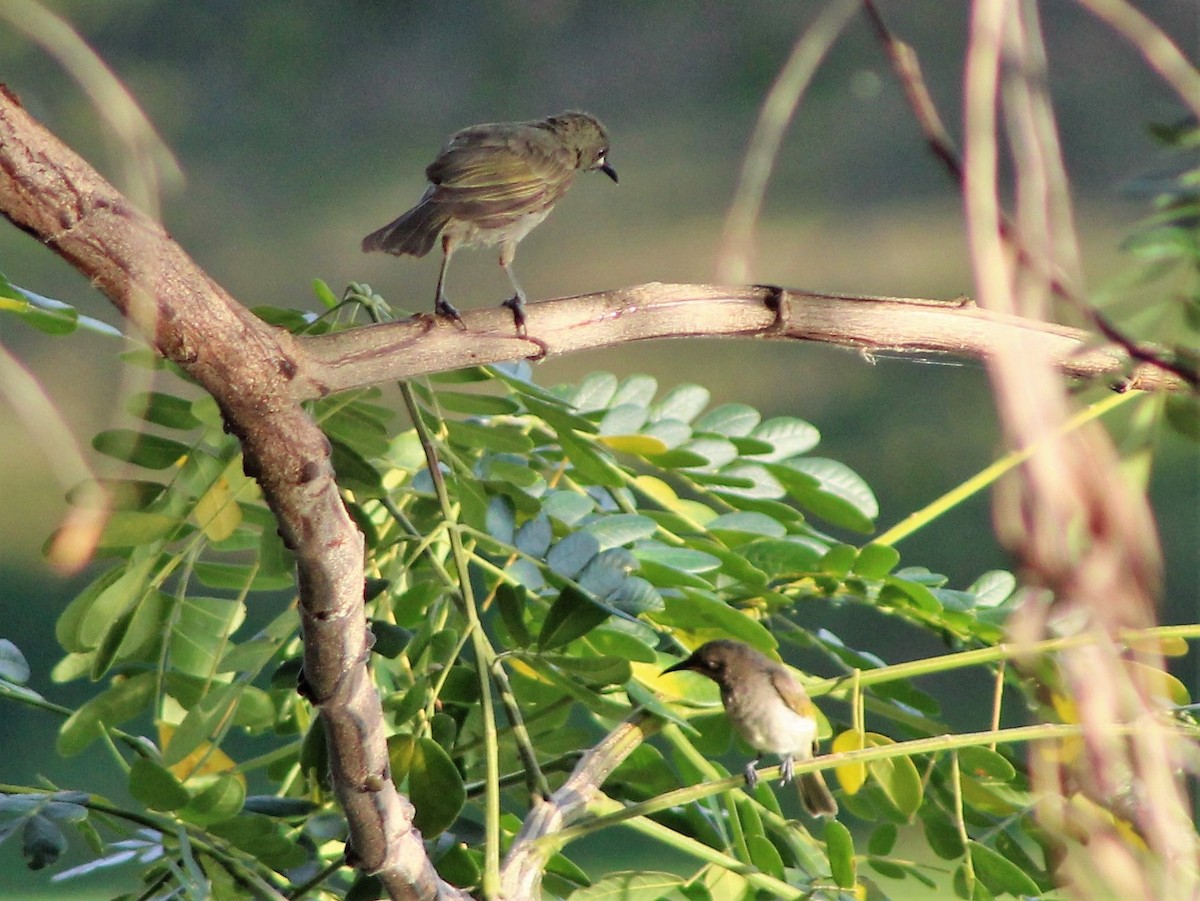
493 184
769 708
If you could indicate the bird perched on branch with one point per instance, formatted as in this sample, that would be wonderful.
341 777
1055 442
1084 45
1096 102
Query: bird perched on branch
493 184
769 708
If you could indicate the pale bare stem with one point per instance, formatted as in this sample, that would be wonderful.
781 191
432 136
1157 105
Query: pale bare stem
776 112
1152 43
338 361
1078 528
521 873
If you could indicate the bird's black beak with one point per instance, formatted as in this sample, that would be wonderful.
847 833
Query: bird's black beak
686 664
610 172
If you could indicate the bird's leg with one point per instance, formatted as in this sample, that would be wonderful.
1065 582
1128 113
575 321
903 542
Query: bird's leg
785 769
752 773
516 303
441 304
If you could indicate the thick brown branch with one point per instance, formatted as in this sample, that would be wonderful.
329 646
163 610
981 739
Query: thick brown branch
422 345
251 370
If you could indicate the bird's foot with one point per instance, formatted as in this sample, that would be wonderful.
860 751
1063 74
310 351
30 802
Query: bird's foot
516 303
786 771
443 307
752 774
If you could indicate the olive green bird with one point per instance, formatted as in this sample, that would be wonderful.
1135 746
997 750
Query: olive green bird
493 184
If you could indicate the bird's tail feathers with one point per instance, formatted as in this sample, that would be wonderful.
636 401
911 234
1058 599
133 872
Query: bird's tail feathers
412 234
815 795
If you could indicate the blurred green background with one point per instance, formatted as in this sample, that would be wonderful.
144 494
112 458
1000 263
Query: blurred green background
301 126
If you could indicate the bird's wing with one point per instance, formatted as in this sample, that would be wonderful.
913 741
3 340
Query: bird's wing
484 179
792 692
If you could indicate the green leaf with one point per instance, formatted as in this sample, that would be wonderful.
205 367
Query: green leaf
201 634
42 842
897 776
571 615
739 525
876 560
621 529
637 389
941 834
358 425
519 475
500 520
122 701
716 452
783 557
568 557
263 839
202 721
788 435
999 874
608 572
137 628
683 403
904 592
511 599
597 671
883 839
567 507
435 787
993 588
137 528
983 763
156 786
51 317
477 404
89 617
588 462
703 618
731 420
625 419
534 537
681 558
354 472
13 666
240 576
636 596
282 808
162 409
630 886
140 448
839 844
503 439
830 490
1182 412
219 801
765 856
595 392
